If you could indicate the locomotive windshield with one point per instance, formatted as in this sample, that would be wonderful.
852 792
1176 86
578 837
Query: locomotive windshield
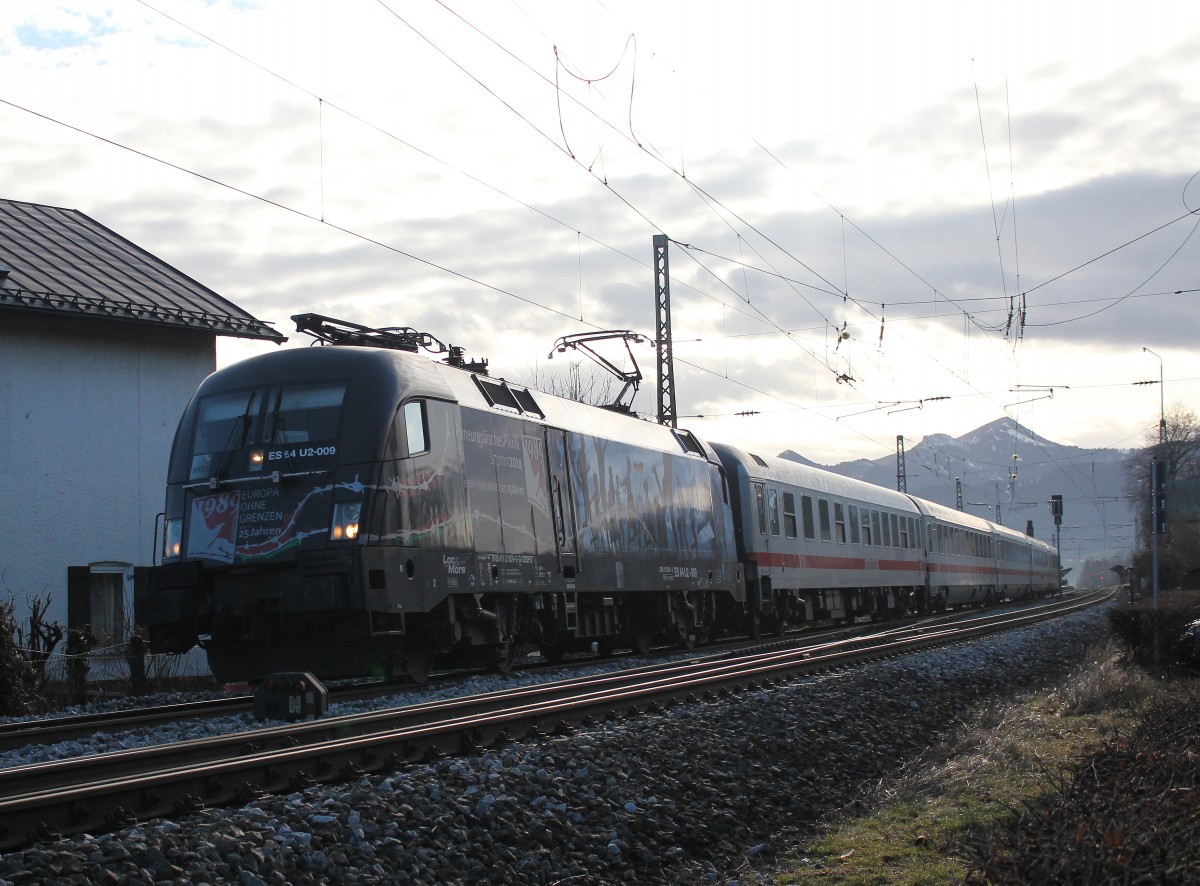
270 425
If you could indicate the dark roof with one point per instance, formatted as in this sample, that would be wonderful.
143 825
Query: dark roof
62 262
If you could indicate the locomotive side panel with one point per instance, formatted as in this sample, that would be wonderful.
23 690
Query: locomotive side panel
647 519
508 492
420 533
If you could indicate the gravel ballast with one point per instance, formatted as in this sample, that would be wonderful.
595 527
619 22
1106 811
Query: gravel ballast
698 793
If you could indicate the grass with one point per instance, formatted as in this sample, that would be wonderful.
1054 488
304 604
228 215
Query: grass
913 829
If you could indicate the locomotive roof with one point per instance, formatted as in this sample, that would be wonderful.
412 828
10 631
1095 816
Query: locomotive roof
398 375
786 471
472 390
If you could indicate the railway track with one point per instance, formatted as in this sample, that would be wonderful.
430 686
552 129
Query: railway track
54 729
107 791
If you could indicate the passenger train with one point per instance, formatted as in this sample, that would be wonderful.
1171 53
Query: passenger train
358 511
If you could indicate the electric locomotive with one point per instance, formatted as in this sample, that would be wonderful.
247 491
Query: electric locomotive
363 510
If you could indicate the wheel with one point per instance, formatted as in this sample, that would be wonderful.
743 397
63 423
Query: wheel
687 640
417 665
506 654
230 667
641 638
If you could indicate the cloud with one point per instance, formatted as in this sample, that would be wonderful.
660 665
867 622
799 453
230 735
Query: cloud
848 175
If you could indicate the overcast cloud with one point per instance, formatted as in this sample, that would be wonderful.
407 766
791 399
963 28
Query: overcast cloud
390 164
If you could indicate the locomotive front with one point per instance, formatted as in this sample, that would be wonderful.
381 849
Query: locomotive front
268 493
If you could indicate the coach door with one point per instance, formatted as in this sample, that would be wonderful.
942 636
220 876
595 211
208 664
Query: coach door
560 501
760 505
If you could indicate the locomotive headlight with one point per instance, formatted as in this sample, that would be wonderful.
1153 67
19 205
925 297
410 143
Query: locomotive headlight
172 539
256 460
345 520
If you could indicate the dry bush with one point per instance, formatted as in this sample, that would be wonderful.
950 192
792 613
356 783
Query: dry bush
18 681
1126 814
1105 685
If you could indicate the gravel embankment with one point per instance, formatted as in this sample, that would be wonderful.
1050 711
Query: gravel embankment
696 794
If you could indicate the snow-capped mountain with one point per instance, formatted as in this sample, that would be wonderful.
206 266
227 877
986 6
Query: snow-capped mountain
1006 468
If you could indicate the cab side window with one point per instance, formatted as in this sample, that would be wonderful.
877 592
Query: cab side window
416 430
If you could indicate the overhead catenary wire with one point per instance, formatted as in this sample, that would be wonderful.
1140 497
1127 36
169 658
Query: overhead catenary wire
630 124
891 300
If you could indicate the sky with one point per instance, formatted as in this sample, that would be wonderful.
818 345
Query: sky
885 219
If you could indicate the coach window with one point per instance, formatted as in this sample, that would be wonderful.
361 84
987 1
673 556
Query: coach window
875 528
789 515
773 496
823 516
806 514
853 524
895 532
839 522
760 495
866 527
415 430
904 524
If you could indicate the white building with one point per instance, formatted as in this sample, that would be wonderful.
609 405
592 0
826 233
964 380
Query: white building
101 347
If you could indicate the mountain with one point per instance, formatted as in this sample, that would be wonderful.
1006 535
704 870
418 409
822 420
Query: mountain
1007 468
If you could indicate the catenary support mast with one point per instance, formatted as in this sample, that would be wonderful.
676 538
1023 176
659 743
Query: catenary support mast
666 365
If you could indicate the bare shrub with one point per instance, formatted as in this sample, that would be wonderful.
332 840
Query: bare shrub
18 682
1103 686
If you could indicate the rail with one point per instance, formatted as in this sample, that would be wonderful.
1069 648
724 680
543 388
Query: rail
108 791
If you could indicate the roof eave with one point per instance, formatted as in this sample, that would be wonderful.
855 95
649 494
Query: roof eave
158 316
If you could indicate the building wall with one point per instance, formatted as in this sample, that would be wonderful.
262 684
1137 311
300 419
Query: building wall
88 410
